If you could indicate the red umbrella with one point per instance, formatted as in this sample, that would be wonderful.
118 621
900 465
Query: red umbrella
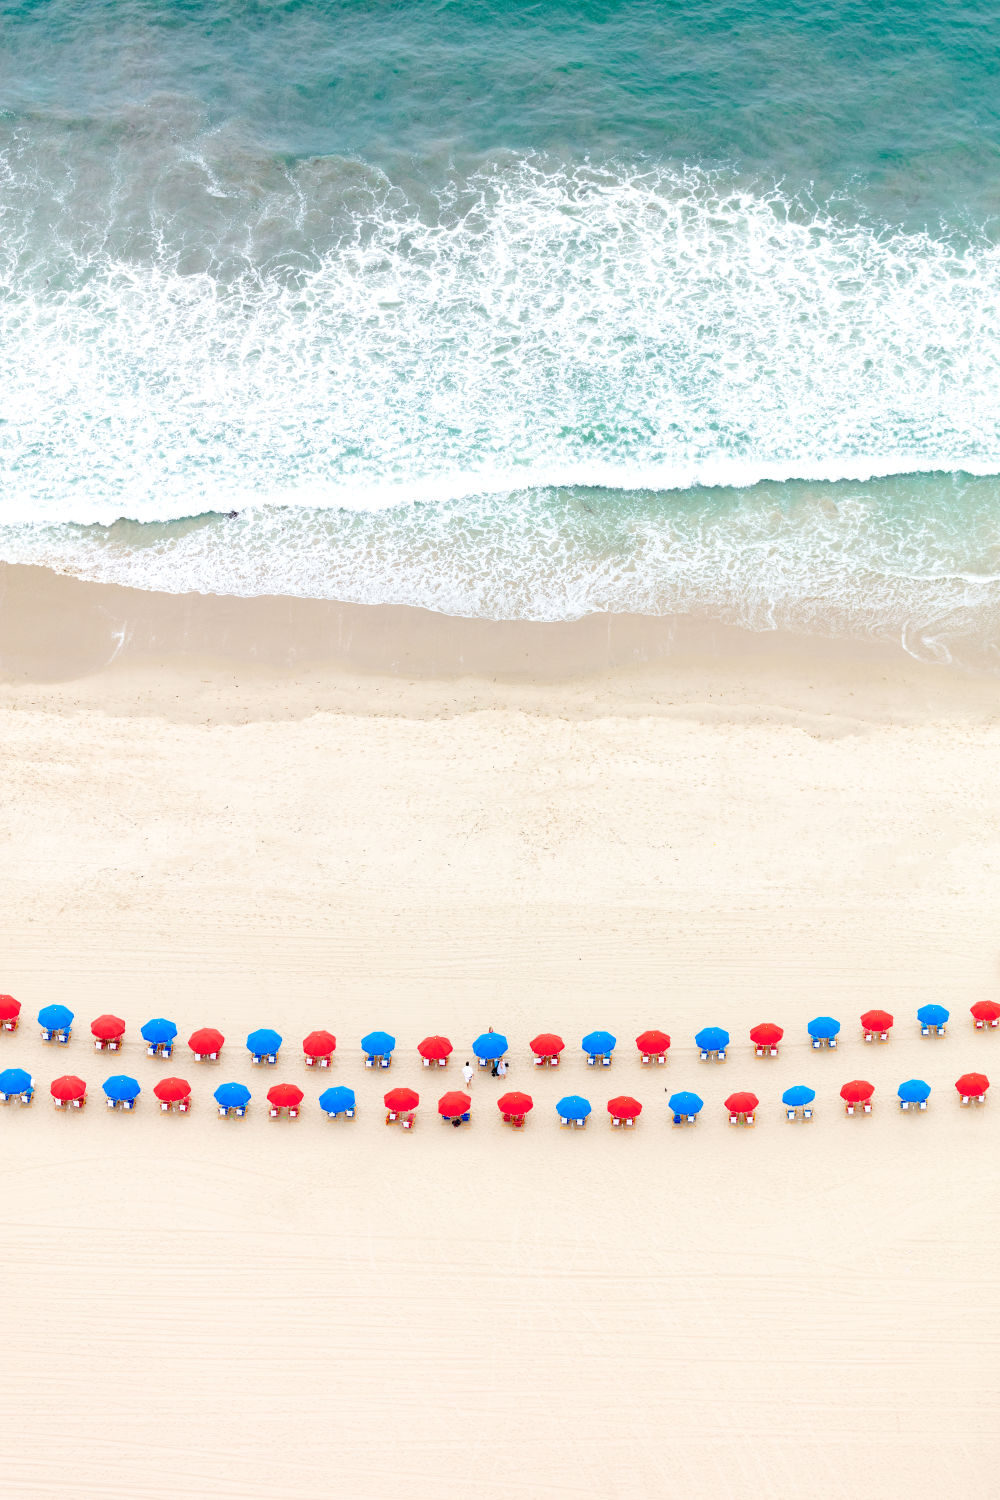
319 1044
767 1034
971 1085
434 1048
857 1091
455 1103
170 1090
108 1028
742 1104
624 1107
515 1103
68 1087
206 1040
986 1010
401 1101
547 1044
10 1008
284 1095
653 1043
876 1020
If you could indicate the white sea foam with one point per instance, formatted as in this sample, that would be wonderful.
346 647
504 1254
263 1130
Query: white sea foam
303 342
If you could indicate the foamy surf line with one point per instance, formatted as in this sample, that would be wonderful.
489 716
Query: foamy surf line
913 560
529 323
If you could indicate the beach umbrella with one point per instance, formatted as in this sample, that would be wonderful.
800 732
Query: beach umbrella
932 1015
914 1091
455 1103
858 1091
108 1028
491 1045
10 1008
573 1107
158 1032
378 1044
232 1095
401 1101
55 1017
285 1095
876 1020
983 1010
206 1040
685 1104
434 1048
971 1085
766 1034
121 1087
798 1095
742 1104
599 1043
712 1039
263 1042
547 1044
15 1081
68 1087
624 1107
335 1101
653 1043
170 1090
515 1103
319 1044
823 1028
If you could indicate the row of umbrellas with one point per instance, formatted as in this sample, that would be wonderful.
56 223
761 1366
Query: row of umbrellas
123 1089
491 1045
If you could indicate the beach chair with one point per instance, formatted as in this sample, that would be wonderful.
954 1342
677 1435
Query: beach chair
384 1062
349 1114
848 1109
62 1037
4 1098
128 1104
240 1111
867 1106
581 1124
293 1111
60 1102
223 1112
47 1035
27 1097
791 1114
111 1103
390 1117
10 1025
164 1107
407 1122
734 1119
750 1120
563 1120
807 1113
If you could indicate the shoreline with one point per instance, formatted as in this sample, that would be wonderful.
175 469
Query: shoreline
207 656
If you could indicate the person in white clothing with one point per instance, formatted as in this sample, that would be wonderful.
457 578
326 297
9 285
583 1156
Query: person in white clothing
502 1068
467 1072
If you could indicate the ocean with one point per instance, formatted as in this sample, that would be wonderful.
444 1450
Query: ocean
510 310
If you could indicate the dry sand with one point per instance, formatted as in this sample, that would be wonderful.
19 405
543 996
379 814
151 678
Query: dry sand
721 832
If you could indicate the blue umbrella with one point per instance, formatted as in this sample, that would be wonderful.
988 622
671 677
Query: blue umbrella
712 1039
490 1045
573 1107
335 1101
914 1091
798 1095
599 1043
378 1044
932 1015
685 1104
823 1028
55 1017
158 1032
121 1086
232 1095
263 1042
15 1081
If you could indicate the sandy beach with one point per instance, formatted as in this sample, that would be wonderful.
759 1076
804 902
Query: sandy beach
242 813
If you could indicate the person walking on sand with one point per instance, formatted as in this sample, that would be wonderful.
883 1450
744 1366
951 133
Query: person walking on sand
467 1072
501 1068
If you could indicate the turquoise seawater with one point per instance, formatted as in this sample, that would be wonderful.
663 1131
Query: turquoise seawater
509 310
